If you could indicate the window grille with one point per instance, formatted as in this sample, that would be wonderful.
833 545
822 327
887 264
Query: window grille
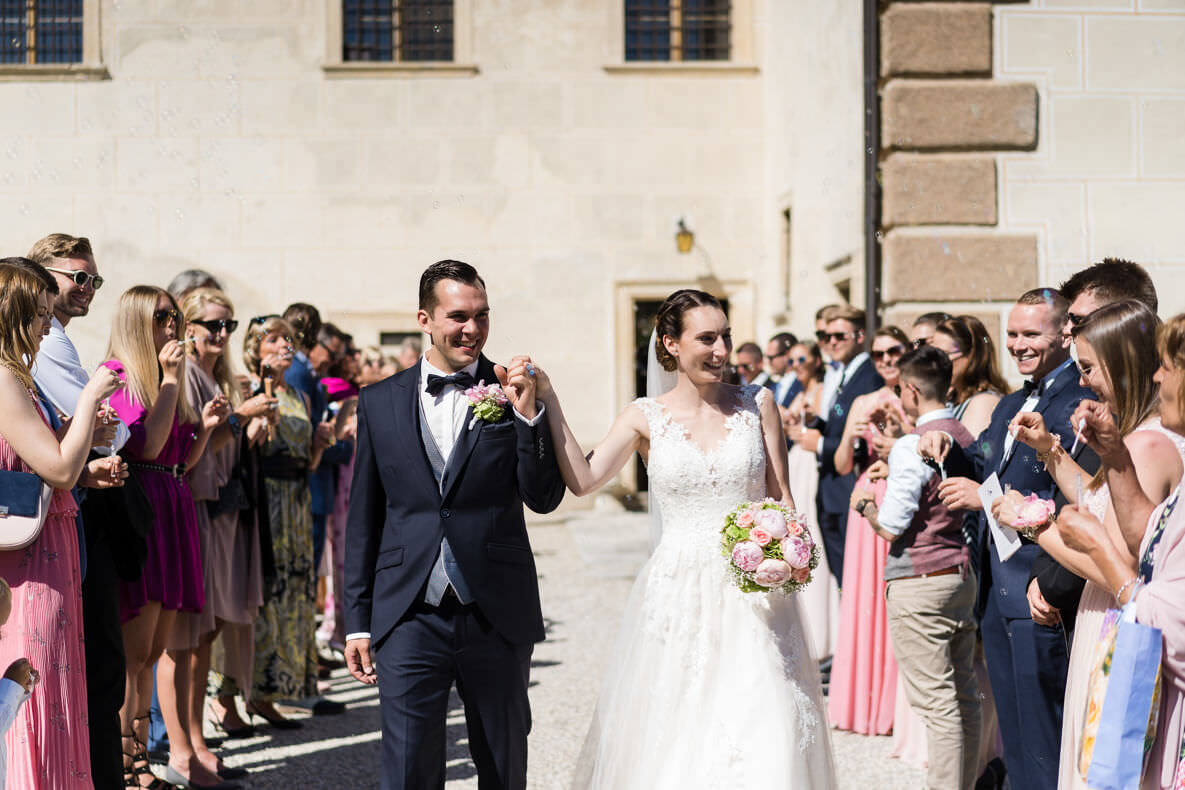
677 30
40 31
397 30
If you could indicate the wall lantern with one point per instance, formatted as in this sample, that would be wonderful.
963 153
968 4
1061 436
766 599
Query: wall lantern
684 238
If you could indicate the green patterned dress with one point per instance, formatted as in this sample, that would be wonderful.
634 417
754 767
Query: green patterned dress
285 646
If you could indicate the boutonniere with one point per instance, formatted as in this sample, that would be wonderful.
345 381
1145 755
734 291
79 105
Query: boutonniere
488 402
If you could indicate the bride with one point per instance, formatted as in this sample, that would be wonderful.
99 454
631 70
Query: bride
708 687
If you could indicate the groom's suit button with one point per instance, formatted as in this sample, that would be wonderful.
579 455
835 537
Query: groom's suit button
445 513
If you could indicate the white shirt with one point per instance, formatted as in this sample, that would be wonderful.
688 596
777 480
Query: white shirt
783 386
1030 404
446 413
12 694
58 370
908 475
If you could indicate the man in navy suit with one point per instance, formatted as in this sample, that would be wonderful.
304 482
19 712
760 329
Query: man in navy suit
782 381
1027 661
440 580
845 343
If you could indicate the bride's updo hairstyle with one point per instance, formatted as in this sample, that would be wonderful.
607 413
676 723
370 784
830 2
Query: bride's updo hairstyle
670 320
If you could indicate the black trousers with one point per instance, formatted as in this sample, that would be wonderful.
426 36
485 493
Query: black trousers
833 528
417 663
105 661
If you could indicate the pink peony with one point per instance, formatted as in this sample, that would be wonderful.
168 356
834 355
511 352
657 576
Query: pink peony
800 575
772 573
1034 511
797 552
759 536
745 519
773 522
747 555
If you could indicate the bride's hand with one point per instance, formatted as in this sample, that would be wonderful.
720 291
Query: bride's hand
543 388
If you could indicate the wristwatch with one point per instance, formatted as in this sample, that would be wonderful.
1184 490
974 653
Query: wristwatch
862 505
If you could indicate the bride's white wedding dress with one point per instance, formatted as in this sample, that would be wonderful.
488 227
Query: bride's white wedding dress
707 687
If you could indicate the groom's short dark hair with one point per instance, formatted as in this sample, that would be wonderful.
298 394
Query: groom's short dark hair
445 270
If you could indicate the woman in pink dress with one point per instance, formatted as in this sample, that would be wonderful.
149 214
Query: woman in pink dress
864 672
48 743
1113 344
167 435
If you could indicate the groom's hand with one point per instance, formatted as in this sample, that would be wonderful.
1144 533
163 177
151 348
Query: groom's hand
518 382
358 661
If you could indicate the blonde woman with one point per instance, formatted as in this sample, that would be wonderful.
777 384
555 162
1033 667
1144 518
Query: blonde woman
166 436
47 743
227 528
285 647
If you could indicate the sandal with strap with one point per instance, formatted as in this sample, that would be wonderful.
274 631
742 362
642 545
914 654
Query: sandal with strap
139 764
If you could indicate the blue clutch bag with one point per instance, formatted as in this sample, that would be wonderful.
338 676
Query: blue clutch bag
20 493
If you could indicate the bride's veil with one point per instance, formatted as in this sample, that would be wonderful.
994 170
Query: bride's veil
658 381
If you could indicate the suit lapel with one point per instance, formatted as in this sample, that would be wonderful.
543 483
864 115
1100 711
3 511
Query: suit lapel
406 408
465 443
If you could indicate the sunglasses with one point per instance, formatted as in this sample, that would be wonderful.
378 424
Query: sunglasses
162 317
888 353
336 356
216 326
837 337
1077 320
921 341
263 319
798 360
79 277
820 335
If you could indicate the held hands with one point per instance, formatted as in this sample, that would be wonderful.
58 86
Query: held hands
172 360
1042 611
1029 427
519 382
109 472
22 673
358 661
960 493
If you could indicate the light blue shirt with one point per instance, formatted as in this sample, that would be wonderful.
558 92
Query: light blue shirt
12 694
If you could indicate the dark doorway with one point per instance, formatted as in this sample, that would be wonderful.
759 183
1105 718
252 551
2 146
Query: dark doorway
645 314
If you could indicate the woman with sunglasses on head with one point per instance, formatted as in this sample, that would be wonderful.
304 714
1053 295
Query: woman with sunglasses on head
167 435
285 646
864 672
1117 358
820 600
47 743
976 386
227 527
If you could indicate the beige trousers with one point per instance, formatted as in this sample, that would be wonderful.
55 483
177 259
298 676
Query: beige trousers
933 632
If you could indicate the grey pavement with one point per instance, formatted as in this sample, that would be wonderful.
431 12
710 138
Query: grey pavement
587 562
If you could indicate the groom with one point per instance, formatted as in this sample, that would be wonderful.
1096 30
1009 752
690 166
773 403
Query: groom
440 580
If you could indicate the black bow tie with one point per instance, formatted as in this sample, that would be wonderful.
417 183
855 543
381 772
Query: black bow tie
436 384
1034 386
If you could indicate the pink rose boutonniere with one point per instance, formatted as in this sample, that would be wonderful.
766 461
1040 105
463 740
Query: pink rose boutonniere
488 402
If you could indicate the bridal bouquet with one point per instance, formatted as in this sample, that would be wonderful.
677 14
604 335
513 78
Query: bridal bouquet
768 547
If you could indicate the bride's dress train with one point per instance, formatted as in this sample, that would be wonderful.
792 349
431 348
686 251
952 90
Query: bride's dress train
707 687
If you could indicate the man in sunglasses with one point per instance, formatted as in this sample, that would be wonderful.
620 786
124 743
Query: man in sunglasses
1112 280
59 373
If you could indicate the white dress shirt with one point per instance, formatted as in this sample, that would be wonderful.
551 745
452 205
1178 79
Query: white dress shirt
58 370
783 386
446 413
1030 404
908 475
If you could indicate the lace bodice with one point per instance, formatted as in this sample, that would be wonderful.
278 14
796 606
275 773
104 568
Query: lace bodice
696 488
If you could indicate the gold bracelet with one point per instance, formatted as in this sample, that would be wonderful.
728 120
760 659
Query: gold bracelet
1053 451
1031 532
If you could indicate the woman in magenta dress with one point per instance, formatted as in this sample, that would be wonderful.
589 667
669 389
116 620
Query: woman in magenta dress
167 435
864 673
48 743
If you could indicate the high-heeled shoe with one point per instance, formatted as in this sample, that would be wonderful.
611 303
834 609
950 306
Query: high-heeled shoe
246 731
279 722
137 764
177 779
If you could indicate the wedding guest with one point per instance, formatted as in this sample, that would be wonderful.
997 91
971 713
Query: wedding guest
371 362
167 433
47 746
834 369
748 364
1154 577
1114 344
113 539
230 547
930 588
1111 280
190 280
924 326
285 648
820 600
1026 658
976 386
864 671
410 351
16 686
785 384
846 344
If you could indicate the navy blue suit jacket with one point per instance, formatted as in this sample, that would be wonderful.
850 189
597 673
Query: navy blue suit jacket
1009 580
835 490
398 514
